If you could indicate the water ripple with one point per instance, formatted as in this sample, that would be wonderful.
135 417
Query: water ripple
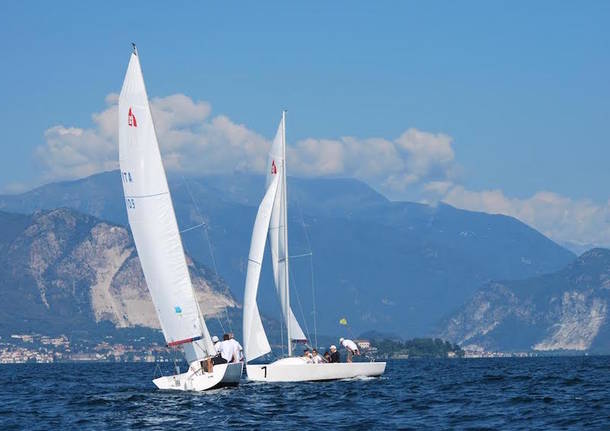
557 393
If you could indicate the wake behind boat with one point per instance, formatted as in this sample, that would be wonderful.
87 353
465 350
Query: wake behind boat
155 232
271 220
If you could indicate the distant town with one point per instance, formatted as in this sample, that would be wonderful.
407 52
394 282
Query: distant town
37 348
24 348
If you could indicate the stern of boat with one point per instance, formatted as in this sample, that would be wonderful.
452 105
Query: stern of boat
222 375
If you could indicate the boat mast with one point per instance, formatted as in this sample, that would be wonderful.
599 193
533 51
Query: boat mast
284 222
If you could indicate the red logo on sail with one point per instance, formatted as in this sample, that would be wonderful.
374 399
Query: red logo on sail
131 119
273 168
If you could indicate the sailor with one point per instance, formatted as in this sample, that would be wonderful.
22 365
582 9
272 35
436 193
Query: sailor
307 356
216 342
218 359
351 347
227 349
238 350
335 357
315 358
327 357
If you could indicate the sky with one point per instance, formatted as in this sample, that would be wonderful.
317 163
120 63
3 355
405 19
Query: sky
496 106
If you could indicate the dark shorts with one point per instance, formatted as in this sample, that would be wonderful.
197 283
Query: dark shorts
218 360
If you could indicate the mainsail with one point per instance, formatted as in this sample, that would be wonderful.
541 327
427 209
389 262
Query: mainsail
278 230
153 222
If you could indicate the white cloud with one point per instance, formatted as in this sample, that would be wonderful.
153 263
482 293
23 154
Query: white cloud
393 166
71 152
194 141
560 218
417 165
191 141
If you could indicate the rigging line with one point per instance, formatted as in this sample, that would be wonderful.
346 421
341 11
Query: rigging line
313 289
211 250
188 189
200 273
282 334
192 227
296 290
313 300
203 350
281 319
301 255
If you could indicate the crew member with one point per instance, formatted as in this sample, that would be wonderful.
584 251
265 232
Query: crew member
216 343
307 356
351 347
335 356
315 358
227 349
238 350
217 359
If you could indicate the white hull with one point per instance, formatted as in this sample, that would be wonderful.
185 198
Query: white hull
296 370
221 375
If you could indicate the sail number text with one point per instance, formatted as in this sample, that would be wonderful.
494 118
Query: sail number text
131 203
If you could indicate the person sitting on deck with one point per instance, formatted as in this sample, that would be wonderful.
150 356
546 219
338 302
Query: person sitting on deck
307 356
216 343
335 357
227 349
239 350
315 358
327 357
351 347
217 358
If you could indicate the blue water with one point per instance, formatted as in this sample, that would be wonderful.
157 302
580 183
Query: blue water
551 393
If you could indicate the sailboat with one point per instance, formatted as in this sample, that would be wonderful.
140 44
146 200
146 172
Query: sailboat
271 221
155 232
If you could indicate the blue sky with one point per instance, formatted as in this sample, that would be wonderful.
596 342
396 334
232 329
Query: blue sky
521 90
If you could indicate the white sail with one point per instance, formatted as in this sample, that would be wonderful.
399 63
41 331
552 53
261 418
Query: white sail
152 219
278 231
255 339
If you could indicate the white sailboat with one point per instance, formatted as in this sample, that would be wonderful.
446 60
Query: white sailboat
271 221
155 232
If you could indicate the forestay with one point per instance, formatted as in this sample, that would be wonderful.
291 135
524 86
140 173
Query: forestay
278 231
152 219
255 339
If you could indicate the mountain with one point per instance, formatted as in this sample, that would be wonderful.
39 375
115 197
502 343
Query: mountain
62 271
388 266
565 310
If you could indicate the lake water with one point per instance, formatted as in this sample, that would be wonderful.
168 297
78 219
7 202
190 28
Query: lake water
528 393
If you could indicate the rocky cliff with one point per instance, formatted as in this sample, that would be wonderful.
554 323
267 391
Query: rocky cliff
386 266
564 310
61 270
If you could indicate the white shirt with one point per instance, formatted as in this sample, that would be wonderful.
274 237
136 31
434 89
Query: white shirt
237 349
227 350
217 347
317 359
350 345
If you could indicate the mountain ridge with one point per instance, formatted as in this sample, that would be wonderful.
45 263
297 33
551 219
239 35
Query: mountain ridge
388 266
563 310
